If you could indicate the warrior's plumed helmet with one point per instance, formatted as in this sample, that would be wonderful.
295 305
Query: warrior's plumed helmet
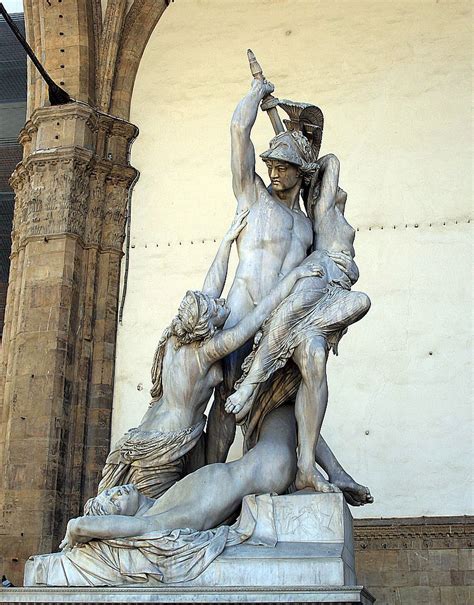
301 142
293 147
283 147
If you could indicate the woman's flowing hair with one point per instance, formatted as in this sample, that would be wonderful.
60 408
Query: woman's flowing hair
309 170
191 324
310 193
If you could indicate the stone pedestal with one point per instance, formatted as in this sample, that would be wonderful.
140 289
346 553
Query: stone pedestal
212 594
312 562
315 548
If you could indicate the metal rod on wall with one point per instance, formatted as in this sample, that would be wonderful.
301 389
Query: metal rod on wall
57 95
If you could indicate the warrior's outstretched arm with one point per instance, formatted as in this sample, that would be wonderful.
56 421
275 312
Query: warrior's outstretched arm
227 341
242 150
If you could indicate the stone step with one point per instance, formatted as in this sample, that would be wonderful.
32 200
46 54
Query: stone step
169 595
284 565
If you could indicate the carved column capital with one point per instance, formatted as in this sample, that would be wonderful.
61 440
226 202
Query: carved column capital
76 167
26 136
56 200
19 182
118 183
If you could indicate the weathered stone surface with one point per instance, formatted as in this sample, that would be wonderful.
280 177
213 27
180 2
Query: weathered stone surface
315 547
71 194
407 561
67 244
243 594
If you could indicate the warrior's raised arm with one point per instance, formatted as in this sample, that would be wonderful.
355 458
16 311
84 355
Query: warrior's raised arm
244 178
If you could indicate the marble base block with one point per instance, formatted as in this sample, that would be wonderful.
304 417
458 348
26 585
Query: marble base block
312 562
315 547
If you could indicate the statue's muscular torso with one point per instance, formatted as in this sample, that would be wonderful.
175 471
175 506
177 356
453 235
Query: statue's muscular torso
275 240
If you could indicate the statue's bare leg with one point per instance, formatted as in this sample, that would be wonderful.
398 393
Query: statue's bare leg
314 381
355 306
310 407
221 424
262 366
354 493
220 429
205 498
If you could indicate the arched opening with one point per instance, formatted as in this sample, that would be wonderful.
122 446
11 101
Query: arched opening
382 119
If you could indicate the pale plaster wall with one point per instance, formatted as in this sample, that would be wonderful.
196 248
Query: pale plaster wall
392 79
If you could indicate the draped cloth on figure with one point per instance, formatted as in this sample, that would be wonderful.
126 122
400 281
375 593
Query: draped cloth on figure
152 460
301 316
164 557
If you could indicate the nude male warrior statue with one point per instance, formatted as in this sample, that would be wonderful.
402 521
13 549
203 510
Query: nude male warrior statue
277 238
311 320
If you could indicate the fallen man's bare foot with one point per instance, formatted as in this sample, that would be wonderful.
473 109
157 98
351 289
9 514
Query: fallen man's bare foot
354 493
314 480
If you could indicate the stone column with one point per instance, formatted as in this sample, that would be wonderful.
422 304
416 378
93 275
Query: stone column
60 326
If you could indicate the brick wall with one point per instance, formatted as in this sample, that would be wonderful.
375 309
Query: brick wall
416 561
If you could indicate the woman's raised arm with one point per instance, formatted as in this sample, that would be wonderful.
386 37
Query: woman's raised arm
324 188
217 274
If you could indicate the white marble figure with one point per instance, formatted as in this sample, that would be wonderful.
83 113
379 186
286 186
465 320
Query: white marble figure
276 239
153 518
313 318
186 368
95 553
